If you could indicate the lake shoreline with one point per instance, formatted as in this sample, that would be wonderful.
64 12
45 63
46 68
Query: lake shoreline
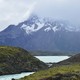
17 76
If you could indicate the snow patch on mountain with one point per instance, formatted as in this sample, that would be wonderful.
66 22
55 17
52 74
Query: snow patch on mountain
32 28
47 29
55 28
35 24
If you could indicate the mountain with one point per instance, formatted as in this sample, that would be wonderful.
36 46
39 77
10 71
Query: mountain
42 34
16 60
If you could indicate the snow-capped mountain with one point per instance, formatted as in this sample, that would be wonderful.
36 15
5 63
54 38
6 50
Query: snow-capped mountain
42 34
36 24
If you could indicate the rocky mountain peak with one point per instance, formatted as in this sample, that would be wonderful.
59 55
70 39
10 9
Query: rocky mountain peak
34 24
42 34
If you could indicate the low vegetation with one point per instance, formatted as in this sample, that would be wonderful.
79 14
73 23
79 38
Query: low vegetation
17 60
68 69
68 72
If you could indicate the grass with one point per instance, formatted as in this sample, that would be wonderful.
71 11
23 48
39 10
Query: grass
75 68
17 60
6 50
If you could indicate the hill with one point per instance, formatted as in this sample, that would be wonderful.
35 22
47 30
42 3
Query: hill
72 60
59 71
68 72
17 60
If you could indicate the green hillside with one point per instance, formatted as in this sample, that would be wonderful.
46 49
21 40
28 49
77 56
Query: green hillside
68 69
68 72
16 60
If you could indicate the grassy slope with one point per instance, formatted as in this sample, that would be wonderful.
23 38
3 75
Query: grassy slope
71 69
65 70
16 60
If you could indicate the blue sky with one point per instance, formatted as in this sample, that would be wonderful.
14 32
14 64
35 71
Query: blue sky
15 11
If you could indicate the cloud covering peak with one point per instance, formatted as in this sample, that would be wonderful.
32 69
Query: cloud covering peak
15 11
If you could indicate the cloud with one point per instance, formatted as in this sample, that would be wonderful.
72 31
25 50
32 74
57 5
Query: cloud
29 11
15 11
60 9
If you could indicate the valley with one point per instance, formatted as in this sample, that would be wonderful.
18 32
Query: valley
68 69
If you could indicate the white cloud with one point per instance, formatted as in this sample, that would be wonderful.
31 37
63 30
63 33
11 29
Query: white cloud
29 11
60 9
14 11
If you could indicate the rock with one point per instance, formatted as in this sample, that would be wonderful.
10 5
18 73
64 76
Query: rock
13 79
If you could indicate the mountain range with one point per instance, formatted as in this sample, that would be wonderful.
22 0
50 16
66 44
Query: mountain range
43 34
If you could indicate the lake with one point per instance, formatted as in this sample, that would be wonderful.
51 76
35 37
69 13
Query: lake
52 59
46 59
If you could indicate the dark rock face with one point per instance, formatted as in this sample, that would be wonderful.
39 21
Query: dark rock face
13 79
17 60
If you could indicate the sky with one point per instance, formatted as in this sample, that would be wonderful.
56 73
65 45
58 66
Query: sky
16 11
